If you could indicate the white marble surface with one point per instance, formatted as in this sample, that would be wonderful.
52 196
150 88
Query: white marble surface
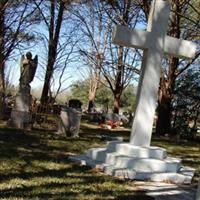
111 160
164 191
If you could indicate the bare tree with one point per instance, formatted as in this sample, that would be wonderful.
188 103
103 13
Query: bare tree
184 23
15 19
118 69
95 34
60 41
66 56
103 58
53 22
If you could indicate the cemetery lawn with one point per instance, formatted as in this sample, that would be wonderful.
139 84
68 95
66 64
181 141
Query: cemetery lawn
35 165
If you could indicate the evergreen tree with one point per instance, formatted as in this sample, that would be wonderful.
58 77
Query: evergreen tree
186 103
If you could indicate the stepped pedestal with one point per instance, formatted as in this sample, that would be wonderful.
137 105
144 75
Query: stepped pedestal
21 115
133 162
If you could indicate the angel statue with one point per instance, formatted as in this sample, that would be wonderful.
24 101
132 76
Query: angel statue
27 68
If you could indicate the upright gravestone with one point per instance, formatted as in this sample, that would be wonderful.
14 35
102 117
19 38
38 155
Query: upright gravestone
70 119
137 159
20 115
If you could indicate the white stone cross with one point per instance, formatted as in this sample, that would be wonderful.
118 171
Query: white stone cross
155 43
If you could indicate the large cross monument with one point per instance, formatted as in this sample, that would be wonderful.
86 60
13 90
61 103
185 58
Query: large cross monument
137 159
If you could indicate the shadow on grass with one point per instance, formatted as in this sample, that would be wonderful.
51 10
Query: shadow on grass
34 165
96 131
135 197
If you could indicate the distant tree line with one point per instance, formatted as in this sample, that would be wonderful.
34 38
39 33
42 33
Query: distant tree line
104 98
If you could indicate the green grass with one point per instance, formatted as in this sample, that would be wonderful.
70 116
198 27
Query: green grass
35 165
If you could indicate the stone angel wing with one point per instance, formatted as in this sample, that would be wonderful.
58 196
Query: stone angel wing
22 63
22 71
33 67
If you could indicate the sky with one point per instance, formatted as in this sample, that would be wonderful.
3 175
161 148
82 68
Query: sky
76 70
73 71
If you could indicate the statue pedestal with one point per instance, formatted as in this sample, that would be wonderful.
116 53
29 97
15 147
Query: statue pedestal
20 119
23 102
20 115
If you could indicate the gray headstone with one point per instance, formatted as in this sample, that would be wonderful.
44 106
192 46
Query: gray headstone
70 119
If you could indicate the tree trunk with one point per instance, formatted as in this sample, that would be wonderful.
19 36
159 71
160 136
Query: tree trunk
163 124
119 81
196 117
91 103
167 83
46 87
2 62
164 116
54 32
116 103
92 91
2 90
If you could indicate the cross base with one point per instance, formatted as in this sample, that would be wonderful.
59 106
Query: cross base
137 163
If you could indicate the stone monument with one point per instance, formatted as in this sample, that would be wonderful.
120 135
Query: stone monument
137 159
70 119
20 115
